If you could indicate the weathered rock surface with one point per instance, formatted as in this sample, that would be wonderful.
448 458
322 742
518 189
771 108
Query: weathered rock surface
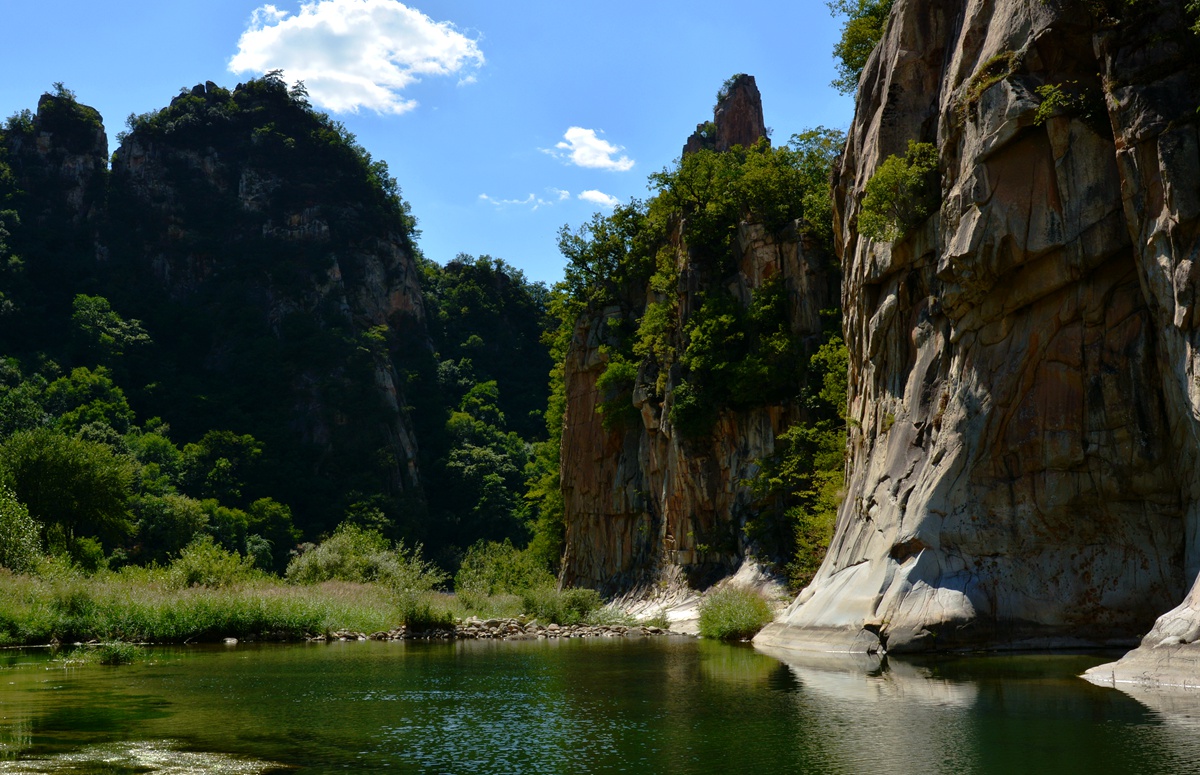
737 118
646 510
1024 438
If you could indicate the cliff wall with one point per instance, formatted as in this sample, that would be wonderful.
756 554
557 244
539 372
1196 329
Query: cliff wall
1023 401
247 210
649 506
271 261
645 504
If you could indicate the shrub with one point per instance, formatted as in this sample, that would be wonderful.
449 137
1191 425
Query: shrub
492 568
355 554
204 564
731 613
570 606
20 545
901 194
118 653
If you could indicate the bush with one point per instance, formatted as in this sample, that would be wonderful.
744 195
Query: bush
901 194
364 556
731 613
570 606
492 568
20 545
118 653
204 564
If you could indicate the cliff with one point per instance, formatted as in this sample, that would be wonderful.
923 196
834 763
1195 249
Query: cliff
737 118
283 280
655 465
1024 444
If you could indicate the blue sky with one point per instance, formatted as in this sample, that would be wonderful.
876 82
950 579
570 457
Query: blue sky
495 117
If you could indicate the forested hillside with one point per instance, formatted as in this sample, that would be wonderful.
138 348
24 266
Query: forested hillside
231 332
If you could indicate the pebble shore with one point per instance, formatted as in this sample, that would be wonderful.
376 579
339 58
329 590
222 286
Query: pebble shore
503 629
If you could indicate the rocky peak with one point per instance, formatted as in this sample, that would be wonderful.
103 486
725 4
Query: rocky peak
60 154
737 118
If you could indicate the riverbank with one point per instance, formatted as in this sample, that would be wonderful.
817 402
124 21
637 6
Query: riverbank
141 605
520 628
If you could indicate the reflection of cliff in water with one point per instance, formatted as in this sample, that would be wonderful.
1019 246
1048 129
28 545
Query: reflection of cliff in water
1022 713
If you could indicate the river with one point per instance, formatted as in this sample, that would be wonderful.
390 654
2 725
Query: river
654 705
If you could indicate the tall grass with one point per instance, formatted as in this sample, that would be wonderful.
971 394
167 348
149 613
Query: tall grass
146 605
731 613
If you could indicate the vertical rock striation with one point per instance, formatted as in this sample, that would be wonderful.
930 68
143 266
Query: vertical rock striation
1023 400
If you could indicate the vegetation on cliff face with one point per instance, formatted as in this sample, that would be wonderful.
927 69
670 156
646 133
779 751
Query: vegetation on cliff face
724 354
901 194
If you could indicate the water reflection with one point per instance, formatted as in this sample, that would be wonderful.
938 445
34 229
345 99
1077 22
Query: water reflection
1014 713
658 705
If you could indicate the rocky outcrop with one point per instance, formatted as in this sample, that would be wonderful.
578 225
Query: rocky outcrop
60 157
645 507
1023 401
737 118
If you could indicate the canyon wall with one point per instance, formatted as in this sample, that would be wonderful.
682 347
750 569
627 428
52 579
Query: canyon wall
1024 403
647 508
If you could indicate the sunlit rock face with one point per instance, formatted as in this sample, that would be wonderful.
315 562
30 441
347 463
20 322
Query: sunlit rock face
737 118
1023 393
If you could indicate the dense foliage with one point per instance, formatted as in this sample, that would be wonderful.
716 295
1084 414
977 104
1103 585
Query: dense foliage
138 424
733 613
480 400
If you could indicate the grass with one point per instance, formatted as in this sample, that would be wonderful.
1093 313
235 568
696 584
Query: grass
991 72
147 607
731 613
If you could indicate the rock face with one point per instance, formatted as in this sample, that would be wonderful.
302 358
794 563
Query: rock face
1024 438
737 118
644 505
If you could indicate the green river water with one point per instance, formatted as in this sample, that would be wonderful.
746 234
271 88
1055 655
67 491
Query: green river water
655 705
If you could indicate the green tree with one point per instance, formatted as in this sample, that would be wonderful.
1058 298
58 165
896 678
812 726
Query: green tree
105 334
72 486
866 21
20 542
901 194
87 397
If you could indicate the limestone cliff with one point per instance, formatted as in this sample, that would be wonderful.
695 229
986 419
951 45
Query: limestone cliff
648 506
1023 399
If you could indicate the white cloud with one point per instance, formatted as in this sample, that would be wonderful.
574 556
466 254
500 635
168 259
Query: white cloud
599 198
583 148
355 54
531 201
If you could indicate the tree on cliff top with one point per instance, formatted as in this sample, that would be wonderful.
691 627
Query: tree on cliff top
866 21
